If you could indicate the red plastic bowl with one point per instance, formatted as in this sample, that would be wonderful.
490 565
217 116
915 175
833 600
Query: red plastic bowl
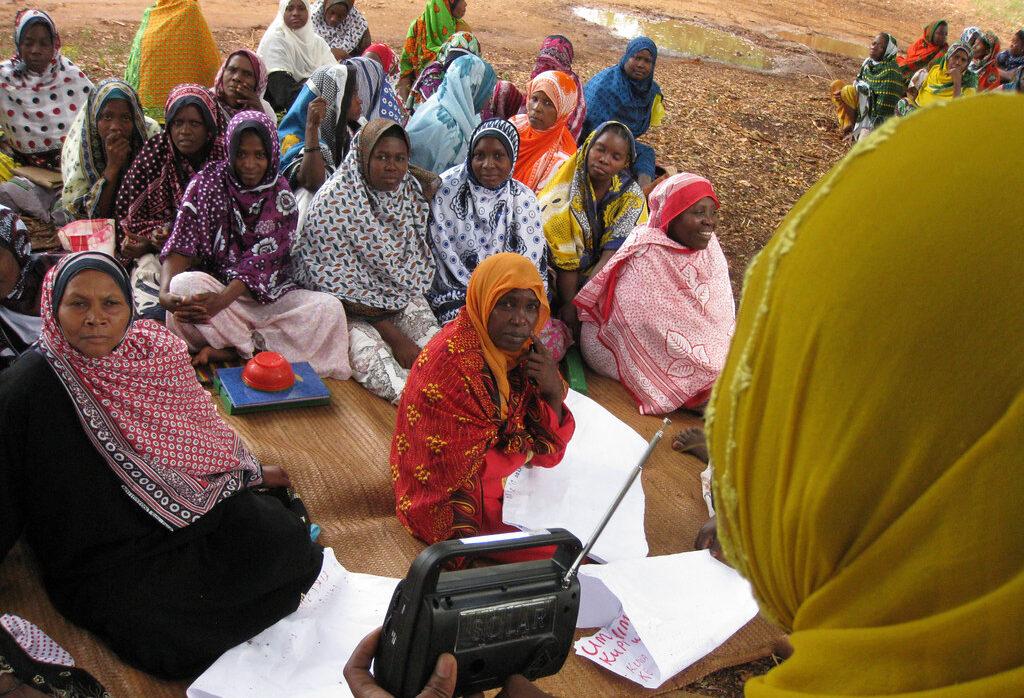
269 372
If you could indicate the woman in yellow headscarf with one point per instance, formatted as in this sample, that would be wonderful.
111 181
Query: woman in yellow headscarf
868 461
949 78
483 398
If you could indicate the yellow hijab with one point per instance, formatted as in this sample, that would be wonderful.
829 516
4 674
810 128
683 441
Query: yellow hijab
938 86
493 278
868 428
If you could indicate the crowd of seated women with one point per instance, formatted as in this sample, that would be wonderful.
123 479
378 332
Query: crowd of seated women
358 212
933 69
444 258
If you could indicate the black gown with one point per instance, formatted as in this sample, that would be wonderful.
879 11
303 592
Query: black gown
168 602
282 89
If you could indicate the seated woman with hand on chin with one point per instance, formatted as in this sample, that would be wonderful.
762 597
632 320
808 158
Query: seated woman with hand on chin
483 399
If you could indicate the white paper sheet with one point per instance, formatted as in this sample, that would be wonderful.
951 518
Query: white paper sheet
577 492
303 654
660 614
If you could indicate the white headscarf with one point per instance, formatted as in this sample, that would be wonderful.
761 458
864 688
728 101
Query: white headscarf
297 53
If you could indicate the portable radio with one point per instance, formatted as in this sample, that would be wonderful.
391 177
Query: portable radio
514 618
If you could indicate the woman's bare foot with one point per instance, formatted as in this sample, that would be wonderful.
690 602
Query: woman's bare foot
209 355
692 440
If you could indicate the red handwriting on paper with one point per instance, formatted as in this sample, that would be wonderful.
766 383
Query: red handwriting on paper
608 645
619 648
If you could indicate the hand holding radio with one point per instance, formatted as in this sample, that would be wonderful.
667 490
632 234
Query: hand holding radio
492 622
441 683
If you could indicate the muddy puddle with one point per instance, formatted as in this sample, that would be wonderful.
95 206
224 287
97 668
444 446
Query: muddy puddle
680 38
826 44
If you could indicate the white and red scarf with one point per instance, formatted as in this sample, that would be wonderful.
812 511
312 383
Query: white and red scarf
145 412
665 311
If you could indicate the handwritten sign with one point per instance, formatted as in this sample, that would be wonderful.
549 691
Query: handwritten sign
660 614
619 648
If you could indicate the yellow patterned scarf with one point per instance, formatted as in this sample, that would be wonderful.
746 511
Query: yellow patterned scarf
577 227
868 428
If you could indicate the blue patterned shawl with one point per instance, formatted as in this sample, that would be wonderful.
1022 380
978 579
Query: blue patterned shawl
612 95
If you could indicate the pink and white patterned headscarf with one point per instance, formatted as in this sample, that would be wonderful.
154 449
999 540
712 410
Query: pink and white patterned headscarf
143 409
664 311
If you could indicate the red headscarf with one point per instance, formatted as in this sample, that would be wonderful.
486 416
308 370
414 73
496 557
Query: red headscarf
454 410
923 52
144 411
675 195
542 152
388 59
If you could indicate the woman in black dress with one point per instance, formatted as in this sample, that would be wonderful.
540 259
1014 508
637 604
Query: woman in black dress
136 498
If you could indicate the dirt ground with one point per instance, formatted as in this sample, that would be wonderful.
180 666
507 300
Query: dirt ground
763 138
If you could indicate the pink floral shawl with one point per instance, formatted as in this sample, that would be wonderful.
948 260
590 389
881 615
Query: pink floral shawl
664 311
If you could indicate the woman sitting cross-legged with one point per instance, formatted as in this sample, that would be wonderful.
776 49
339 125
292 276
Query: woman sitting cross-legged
136 499
147 202
479 404
105 137
479 211
236 226
659 316
588 209
365 242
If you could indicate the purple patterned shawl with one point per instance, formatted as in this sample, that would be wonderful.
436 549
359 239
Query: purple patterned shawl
237 233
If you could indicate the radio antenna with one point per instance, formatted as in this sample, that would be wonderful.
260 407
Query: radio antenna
567 579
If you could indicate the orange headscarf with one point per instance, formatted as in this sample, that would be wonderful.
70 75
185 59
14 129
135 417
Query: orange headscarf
492 279
447 419
542 152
